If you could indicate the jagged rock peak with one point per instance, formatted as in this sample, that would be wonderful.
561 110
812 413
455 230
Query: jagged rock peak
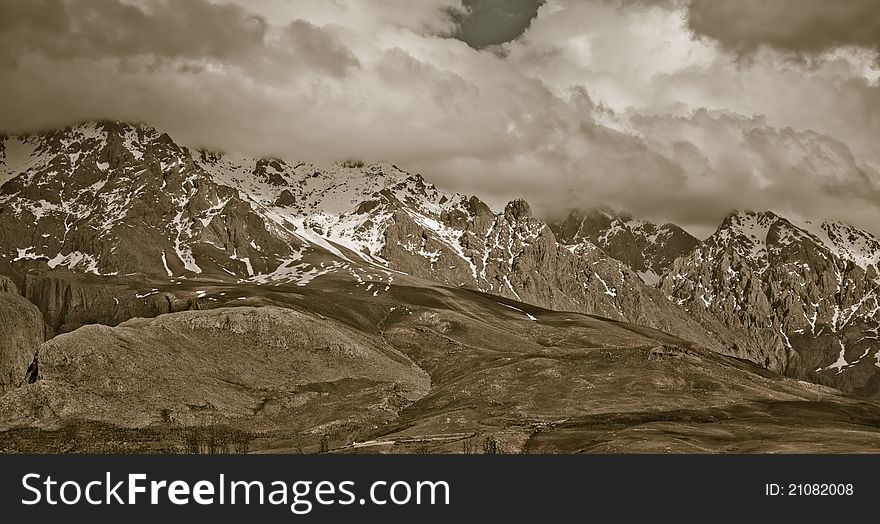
518 209
645 247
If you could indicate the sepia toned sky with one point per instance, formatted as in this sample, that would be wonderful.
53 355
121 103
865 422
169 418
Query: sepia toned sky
677 110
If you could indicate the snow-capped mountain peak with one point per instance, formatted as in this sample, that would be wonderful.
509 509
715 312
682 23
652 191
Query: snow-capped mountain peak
762 237
804 290
747 233
846 241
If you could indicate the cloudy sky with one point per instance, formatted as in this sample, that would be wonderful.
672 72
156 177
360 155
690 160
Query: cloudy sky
672 109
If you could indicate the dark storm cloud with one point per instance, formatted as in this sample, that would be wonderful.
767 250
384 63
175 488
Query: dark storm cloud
802 27
161 29
64 61
493 22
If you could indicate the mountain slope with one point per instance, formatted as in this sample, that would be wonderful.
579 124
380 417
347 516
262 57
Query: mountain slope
404 318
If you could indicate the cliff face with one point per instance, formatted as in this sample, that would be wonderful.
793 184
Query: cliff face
68 301
21 333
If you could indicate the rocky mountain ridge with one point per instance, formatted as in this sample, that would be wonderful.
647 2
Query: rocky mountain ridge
112 199
808 289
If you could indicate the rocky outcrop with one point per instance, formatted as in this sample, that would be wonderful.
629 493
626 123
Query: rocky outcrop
259 369
7 285
21 333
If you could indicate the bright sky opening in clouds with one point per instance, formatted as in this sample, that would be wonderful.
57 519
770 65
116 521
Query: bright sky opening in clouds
671 109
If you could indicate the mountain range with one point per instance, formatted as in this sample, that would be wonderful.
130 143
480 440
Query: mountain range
111 223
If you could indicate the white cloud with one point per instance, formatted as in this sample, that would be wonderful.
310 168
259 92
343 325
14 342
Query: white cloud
616 52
